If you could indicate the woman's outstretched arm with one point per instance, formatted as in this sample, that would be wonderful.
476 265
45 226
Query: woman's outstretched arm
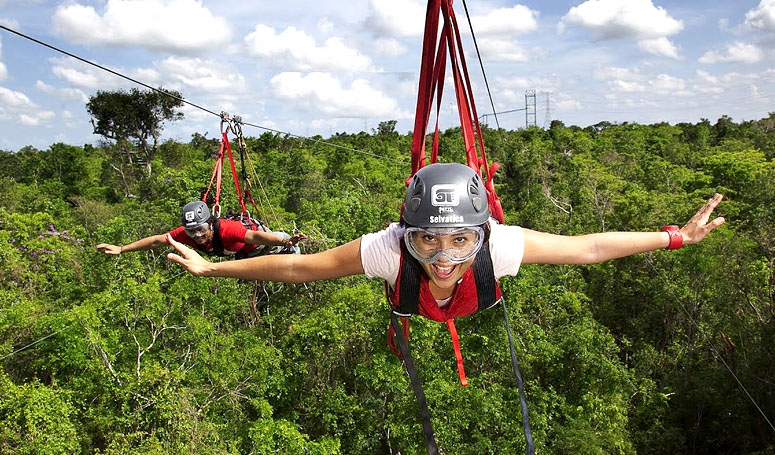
337 262
543 248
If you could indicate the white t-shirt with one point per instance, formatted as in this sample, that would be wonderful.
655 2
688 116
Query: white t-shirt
381 251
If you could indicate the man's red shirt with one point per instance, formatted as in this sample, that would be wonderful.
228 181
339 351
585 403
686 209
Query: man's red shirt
232 234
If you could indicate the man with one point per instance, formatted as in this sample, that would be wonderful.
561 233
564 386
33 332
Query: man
213 236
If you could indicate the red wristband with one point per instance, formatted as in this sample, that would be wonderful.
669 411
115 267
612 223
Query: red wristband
676 239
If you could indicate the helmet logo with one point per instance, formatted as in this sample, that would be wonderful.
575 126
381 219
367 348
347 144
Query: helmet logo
189 216
445 195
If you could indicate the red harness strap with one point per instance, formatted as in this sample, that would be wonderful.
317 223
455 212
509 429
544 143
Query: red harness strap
432 73
217 171
458 356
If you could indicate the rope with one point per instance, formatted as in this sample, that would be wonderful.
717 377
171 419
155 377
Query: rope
263 191
710 345
35 342
183 100
481 64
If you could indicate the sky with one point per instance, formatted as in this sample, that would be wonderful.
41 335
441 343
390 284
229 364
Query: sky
323 67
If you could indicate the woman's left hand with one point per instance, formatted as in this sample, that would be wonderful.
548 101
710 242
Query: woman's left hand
295 238
698 227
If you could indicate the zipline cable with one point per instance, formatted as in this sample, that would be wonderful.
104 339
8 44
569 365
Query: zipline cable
106 69
318 141
707 342
35 342
481 64
183 100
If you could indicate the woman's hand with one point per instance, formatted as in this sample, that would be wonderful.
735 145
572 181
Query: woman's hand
698 227
294 239
107 248
188 258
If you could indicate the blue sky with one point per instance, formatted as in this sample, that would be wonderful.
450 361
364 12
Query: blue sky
321 67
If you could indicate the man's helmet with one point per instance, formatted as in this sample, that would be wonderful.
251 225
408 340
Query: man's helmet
446 195
195 214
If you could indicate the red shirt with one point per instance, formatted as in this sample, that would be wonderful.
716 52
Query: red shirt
232 234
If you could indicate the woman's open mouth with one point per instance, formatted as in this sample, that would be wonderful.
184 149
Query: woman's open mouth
443 271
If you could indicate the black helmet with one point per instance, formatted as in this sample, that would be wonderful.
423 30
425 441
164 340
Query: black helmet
446 195
194 214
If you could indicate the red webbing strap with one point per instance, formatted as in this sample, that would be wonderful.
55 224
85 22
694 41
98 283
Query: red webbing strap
495 204
432 80
458 356
391 336
438 75
425 92
464 112
216 172
233 172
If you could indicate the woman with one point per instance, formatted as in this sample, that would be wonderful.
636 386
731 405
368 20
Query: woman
444 226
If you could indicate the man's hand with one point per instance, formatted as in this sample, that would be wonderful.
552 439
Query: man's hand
188 258
698 227
109 249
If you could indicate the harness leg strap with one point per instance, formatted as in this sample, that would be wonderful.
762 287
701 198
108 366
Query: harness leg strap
458 356
427 429
529 447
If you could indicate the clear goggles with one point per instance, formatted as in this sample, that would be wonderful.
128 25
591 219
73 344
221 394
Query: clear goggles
428 245
197 231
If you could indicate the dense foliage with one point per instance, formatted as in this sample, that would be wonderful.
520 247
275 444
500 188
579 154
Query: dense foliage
130 355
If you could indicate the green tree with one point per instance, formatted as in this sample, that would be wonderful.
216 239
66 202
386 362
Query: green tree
133 118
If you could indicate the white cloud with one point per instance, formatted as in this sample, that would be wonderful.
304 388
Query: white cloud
660 46
3 70
731 82
389 47
293 49
177 73
10 23
567 105
625 80
613 72
503 50
85 76
762 17
396 18
620 85
64 94
201 75
324 93
516 20
735 53
16 106
666 84
614 19
325 26
707 83
178 26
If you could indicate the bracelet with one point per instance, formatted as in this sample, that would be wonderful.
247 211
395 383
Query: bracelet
676 239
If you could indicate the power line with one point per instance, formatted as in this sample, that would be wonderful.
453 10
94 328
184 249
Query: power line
183 100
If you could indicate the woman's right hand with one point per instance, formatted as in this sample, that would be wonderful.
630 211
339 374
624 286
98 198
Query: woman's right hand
109 249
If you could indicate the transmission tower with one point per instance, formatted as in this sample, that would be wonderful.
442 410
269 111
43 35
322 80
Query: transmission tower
548 113
530 108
